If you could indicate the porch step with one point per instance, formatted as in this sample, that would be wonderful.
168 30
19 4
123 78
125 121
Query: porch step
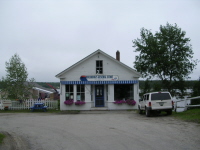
99 108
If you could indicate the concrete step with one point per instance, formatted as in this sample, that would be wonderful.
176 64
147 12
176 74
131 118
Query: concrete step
99 108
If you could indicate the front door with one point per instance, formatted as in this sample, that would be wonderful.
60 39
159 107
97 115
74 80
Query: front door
99 95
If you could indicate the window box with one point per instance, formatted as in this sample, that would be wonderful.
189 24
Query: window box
69 102
119 102
79 103
128 101
131 102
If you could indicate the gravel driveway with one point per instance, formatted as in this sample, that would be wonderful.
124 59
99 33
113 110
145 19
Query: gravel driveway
92 130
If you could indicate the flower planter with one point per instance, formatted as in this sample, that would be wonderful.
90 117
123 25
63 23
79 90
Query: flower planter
69 102
79 103
128 101
131 102
119 102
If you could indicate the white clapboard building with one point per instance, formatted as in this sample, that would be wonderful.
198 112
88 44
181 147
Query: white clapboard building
98 82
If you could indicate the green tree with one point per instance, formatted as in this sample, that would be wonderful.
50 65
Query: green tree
147 87
167 55
157 86
15 84
181 85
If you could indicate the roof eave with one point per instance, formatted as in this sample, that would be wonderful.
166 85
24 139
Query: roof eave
92 54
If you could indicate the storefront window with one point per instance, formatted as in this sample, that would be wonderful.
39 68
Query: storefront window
69 92
80 92
123 91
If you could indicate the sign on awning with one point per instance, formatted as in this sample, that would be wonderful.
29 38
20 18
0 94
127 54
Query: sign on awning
101 82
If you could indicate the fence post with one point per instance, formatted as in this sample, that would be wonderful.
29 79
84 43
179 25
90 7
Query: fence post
175 106
185 103
1 106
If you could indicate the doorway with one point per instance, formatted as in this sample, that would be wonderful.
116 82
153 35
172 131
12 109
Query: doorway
99 95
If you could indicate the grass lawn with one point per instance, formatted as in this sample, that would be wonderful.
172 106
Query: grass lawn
192 115
1 137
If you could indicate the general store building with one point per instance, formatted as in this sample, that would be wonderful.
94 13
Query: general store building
99 80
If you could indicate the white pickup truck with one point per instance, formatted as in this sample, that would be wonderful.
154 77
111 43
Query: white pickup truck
156 101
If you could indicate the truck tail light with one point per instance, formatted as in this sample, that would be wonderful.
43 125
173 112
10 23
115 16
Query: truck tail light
172 103
149 104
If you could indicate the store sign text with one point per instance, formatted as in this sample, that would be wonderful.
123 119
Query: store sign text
99 78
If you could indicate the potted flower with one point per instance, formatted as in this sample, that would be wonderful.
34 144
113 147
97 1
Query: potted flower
69 102
79 103
131 102
119 101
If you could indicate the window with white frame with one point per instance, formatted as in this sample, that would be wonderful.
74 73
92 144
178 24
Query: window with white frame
69 94
99 67
80 92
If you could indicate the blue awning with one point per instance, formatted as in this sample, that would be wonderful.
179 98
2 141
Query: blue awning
100 82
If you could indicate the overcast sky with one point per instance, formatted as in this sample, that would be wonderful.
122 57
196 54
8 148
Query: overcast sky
51 35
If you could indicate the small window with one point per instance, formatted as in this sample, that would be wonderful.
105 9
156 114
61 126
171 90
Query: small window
99 67
147 97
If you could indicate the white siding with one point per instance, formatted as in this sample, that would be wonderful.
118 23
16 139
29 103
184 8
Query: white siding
88 67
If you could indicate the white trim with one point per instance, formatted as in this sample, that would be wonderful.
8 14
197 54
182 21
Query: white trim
35 88
94 53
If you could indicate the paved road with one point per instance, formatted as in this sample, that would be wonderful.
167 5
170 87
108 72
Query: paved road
101 131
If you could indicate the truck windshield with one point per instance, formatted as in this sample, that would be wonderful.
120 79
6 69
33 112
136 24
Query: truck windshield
160 96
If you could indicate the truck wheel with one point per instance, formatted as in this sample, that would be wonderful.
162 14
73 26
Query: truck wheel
147 112
139 110
169 112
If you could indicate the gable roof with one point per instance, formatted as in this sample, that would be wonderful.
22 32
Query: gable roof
38 87
92 54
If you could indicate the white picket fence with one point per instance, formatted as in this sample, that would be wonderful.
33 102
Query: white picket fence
183 104
26 104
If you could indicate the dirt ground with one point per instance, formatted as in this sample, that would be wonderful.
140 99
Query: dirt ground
14 142
96 130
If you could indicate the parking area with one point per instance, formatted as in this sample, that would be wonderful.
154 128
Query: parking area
103 130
